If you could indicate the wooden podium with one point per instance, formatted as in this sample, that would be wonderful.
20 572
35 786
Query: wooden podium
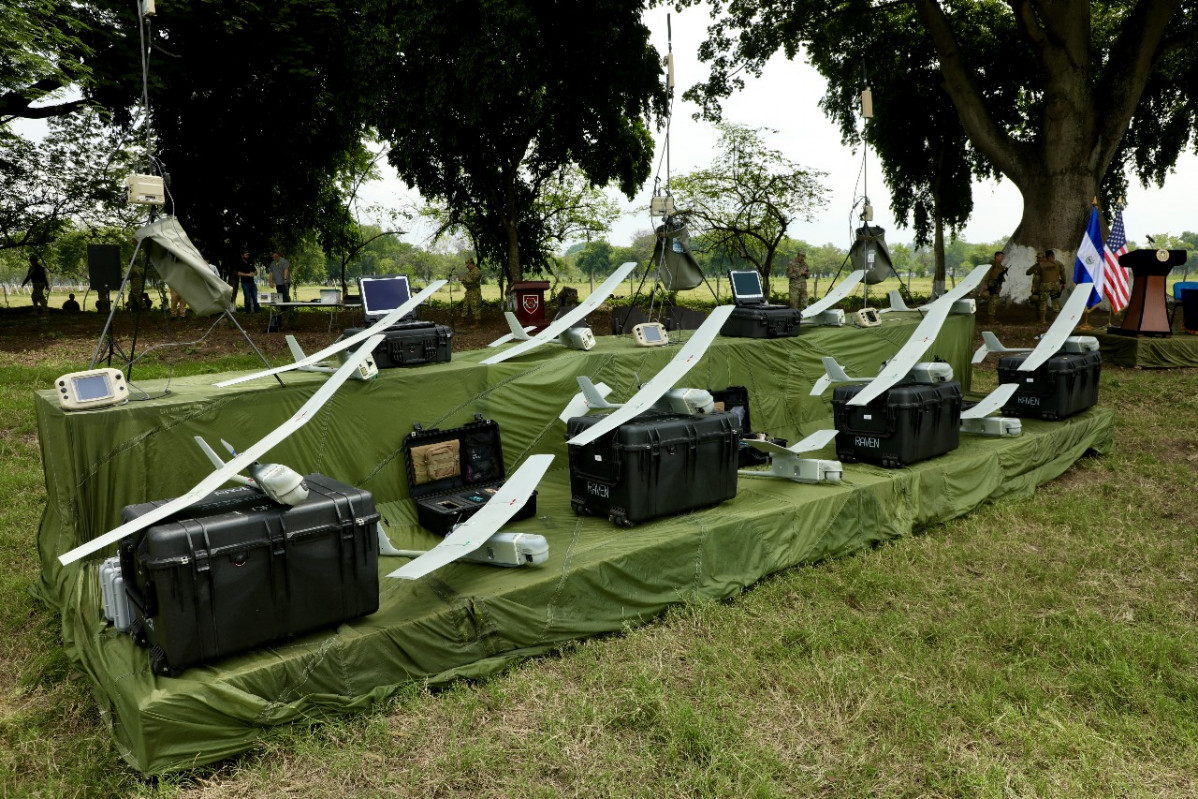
1146 314
530 303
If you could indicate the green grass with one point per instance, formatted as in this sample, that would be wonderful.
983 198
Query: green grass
1045 646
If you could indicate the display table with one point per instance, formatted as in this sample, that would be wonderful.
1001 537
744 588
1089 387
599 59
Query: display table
275 323
469 619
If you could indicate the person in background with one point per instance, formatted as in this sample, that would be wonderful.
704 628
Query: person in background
245 275
41 283
992 284
1048 283
178 305
472 281
280 275
71 305
798 273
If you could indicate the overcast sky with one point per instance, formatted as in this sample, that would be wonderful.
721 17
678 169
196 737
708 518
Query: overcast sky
786 99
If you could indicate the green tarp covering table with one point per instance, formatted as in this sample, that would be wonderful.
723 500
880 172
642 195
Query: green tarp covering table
471 620
1179 351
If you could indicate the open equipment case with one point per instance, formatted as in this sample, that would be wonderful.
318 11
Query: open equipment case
736 399
753 316
453 473
408 343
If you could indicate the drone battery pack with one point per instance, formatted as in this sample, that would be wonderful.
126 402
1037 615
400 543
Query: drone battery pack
908 423
453 473
1065 384
762 321
411 344
736 399
236 571
655 465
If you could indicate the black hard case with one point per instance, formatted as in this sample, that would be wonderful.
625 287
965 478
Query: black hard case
1065 384
736 399
411 344
655 465
445 502
762 321
908 423
238 570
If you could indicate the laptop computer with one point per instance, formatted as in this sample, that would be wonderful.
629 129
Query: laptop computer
747 290
382 294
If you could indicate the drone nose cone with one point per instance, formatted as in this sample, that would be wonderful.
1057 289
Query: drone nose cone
280 483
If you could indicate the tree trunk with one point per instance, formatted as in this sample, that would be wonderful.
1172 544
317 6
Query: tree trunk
938 250
1056 209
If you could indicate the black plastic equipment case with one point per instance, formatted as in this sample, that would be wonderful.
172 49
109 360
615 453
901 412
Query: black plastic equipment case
655 465
762 321
908 423
237 570
452 473
1065 384
411 344
736 399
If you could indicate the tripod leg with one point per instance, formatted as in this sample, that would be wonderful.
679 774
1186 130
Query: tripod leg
233 319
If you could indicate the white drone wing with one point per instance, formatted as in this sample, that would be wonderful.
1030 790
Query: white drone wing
919 342
347 343
1059 330
835 295
991 402
518 333
567 319
817 440
664 380
231 469
474 532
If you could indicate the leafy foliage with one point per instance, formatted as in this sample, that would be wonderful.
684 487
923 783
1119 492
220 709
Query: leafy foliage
74 175
44 48
746 200
1044 92
256 113
485 101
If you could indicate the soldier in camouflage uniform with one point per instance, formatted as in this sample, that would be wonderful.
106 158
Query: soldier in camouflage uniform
1048 282
992 285
798 273
472 282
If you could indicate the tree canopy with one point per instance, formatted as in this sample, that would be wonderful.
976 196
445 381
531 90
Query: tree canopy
746 200
485 101
73 175
1063 98
255 114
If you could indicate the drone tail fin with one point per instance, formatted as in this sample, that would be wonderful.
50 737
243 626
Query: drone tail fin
896 301
297 351
833 373
990 343
211 453
518 333
595 398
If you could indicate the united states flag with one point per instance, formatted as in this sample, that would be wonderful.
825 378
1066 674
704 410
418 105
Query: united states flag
1114 277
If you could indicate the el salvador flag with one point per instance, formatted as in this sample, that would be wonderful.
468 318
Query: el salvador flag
1088 267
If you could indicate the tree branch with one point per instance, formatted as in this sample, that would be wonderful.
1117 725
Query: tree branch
1136 53
1006 154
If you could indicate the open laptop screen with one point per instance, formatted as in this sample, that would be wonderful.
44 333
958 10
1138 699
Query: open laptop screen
383 294
746 287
